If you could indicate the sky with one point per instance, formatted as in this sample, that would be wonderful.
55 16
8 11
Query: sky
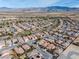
38 3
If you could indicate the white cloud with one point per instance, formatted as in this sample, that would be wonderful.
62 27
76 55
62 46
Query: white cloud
48 2
28 3
75 5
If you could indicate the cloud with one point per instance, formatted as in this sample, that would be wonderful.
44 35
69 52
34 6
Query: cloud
38 3
76 5
47 2
35 3
68 3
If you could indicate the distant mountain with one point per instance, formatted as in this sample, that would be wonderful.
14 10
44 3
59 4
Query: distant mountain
4 8
40 9
61 9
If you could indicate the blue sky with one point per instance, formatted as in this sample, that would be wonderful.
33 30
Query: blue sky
38 3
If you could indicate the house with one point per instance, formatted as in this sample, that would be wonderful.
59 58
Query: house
25 38
35 55
47 44
39 54
19 50
2 44
26 47
20 40
6 54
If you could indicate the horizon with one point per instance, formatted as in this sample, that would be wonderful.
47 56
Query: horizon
41 7
38 3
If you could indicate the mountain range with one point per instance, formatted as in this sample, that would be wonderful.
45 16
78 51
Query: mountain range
41 9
